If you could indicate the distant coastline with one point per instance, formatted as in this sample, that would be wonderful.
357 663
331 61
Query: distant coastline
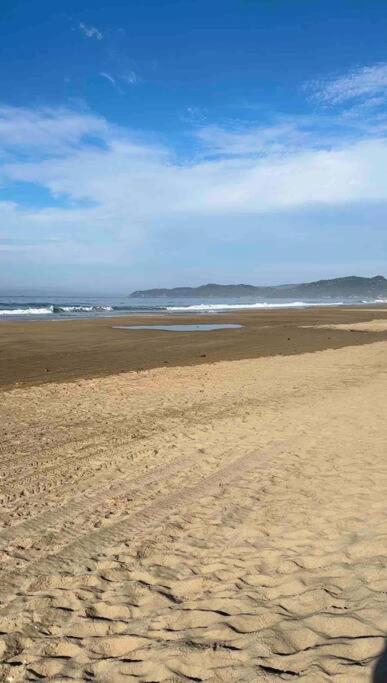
212 298
352 286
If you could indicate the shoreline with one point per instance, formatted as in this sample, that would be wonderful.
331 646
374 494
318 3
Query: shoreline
37 352
177 312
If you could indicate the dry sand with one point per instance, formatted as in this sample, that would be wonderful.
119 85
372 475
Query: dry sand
370 326
222 522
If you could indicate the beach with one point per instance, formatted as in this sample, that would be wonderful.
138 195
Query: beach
65 350
195 506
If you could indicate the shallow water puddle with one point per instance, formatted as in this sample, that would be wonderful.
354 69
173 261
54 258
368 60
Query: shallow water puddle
202 327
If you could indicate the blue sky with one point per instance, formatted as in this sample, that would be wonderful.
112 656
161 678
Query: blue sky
164 143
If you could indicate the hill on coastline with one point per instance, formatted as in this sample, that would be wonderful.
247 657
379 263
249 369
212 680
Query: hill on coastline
351 286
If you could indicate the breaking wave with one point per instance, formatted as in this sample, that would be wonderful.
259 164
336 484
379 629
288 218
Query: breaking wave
50 309
225 307
26 311
80 309
375 301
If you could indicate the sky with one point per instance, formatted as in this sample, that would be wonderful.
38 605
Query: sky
178 142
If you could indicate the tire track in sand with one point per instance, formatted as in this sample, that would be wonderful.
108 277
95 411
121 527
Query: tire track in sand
150 517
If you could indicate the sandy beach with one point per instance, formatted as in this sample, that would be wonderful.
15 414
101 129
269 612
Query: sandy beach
56 351
195 507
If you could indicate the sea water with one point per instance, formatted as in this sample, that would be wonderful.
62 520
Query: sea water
99 306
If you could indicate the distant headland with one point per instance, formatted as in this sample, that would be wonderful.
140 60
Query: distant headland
351 286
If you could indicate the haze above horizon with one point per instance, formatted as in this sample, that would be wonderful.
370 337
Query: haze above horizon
161 143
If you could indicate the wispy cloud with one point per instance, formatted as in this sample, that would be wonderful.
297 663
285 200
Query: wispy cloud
117 81
194 115
282 137
90 31
131 78
369 82
108 77
47 130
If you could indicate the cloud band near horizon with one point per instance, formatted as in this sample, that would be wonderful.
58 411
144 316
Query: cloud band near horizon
78 189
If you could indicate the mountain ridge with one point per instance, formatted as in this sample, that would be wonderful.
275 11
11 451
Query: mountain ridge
349 286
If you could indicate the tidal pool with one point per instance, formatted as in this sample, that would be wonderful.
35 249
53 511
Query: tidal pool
201 327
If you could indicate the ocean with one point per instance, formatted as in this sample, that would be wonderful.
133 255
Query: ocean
77 307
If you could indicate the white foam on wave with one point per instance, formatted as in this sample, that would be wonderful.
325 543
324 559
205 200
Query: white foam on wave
225 307
375 301
27 311
72 309
48 310
81 309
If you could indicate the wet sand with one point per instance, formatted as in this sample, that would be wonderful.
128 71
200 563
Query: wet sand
222 521
50 351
